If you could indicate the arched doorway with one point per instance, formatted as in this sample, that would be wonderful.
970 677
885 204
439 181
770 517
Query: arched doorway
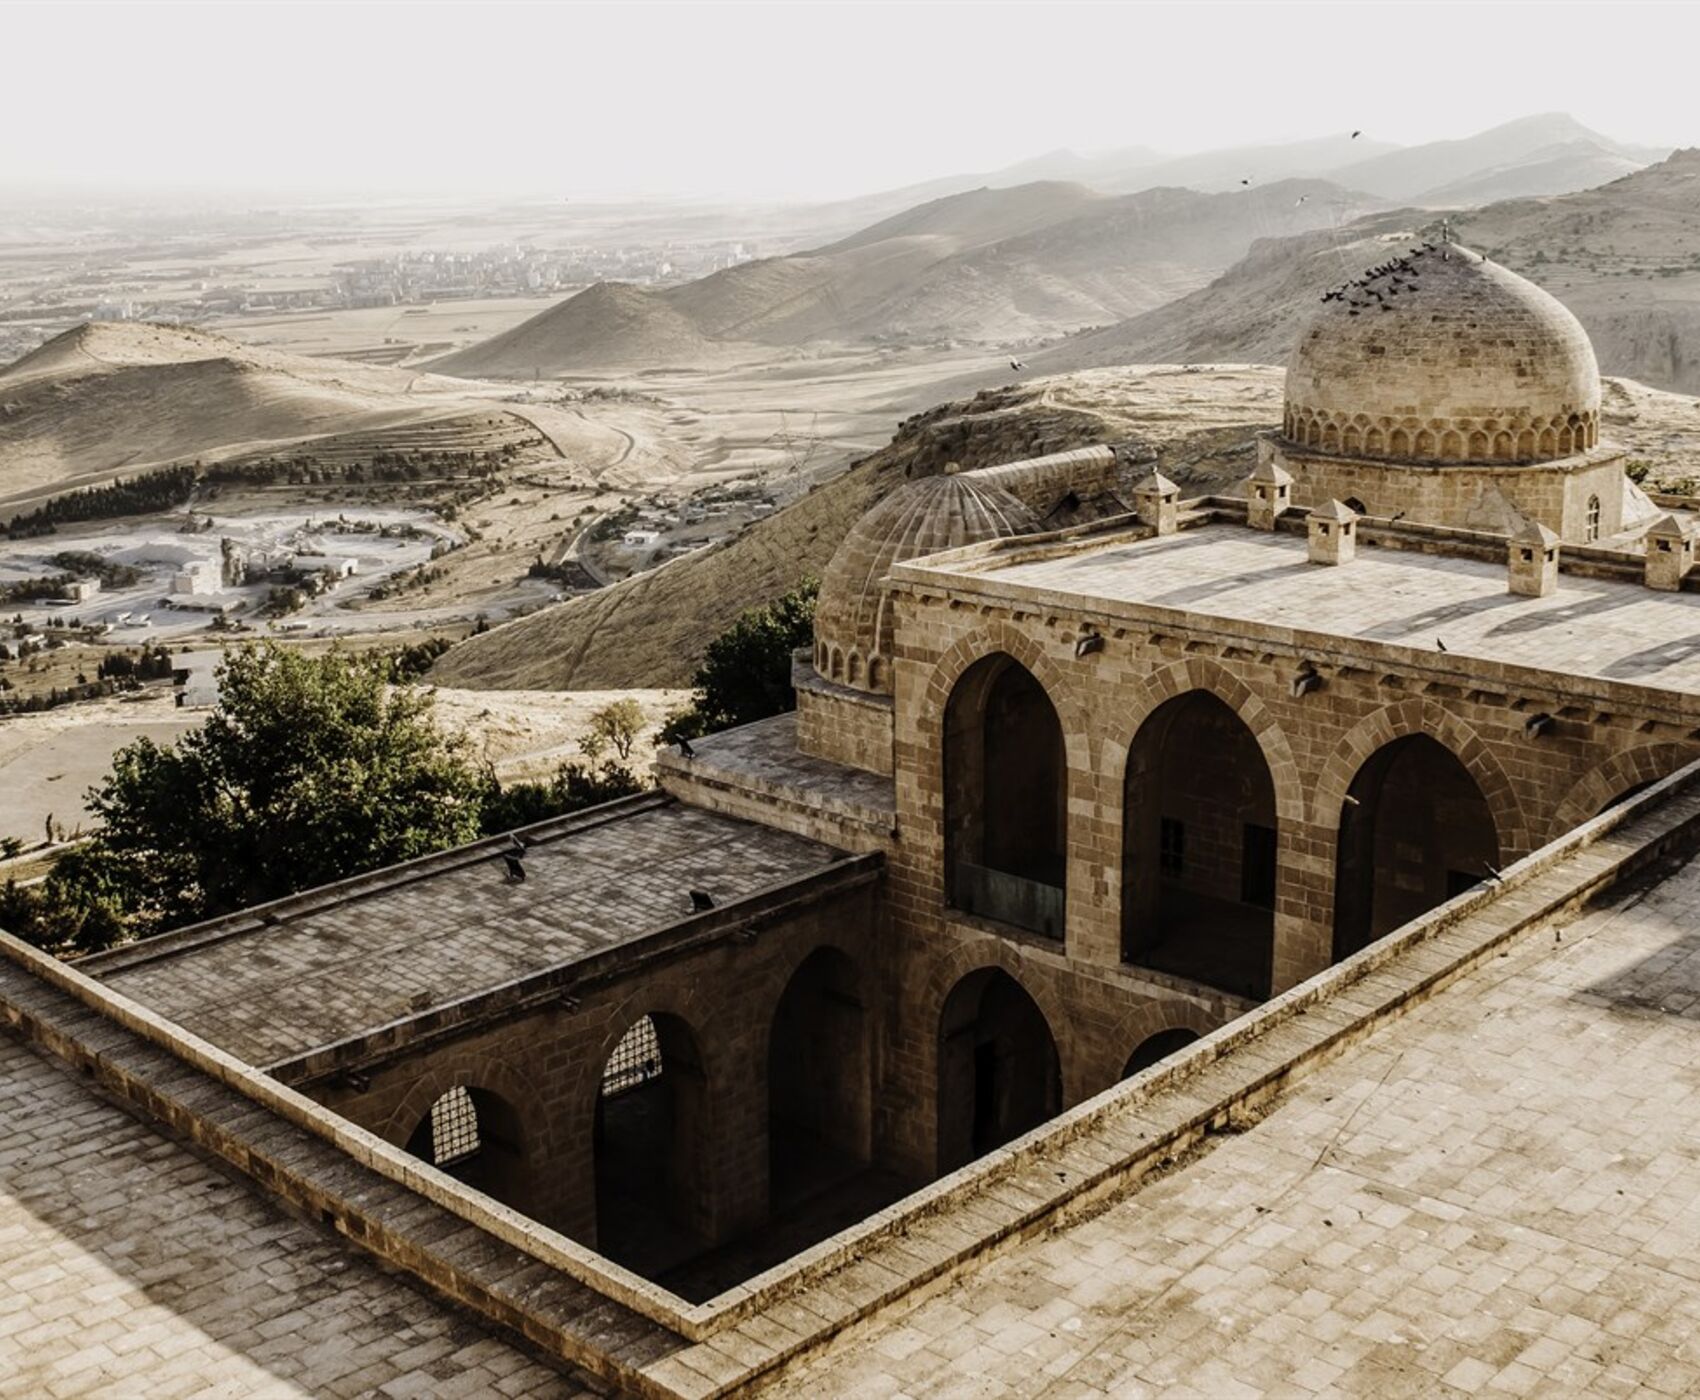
1156 1048
818 1092
475 1137
650 1133
1199 847
1006 798
998 1073
1415 830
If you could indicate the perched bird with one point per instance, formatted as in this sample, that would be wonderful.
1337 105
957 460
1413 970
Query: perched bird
1356 134
1017 364
1440 644
1245 182
516 870
685 749
701 900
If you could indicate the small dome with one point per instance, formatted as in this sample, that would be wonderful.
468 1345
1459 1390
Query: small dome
1439 355
852 621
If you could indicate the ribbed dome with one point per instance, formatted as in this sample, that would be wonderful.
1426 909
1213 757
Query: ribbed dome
852 620
1439 355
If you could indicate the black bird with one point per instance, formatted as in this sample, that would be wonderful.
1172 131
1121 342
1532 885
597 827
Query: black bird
1017 364
1440 644
1356 134
685 749
701 900
516 869
1245 182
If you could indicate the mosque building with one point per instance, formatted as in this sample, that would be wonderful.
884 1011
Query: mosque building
1105 816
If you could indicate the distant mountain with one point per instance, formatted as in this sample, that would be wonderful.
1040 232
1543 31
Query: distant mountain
1432 172
1625 258
986 265
1560 169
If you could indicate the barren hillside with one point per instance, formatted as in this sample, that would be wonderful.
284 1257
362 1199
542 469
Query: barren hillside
989 266
105 398
651 630
1625 258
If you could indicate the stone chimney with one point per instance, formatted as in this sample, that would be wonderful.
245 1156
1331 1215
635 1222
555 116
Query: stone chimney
1333 534
1269 491
1533 559
1670 552
1156 501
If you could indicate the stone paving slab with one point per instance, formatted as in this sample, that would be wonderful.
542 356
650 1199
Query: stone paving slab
132 1267
1497 1193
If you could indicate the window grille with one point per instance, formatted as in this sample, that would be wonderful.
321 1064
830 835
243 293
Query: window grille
1593 528
454 1128
636 1060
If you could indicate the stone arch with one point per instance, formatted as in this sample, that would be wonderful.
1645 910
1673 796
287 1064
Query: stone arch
1144 1020
1201 673
1566 442
1199 849
819 1085
1591 519
1398 721
1156 1048
1525 444
876 673
1502 446
653 1144
1351 440
853 674
1424 444
998 1065
516 1151
1613 780
1478 446
837 657
1330 438
1451 445
1399 443
1548 442
1375 441
1005 797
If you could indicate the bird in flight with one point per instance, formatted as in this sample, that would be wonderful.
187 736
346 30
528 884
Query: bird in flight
1356 134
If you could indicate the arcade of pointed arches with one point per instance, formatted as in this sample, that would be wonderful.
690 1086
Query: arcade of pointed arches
1519 438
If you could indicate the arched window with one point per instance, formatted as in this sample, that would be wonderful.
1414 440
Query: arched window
1591 524
1006 798
1415 830
475 1137
1157 1048
998 1072
652 1210
1199 854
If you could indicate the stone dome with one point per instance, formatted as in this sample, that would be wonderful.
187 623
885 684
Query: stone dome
852 619
1439 355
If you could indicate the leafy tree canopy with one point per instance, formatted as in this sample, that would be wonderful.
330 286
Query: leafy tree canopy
746 672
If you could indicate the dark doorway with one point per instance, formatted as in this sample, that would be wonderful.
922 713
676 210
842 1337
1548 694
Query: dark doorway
651 1112
1159 1047
1415 830
1006 798
1200 848
819 1097
998 1070
474 1136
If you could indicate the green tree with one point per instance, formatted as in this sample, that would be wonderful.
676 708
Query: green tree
746 672
614 726
309 770
571 789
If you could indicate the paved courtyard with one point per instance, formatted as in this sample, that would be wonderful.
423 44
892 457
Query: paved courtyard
133 1269
1498 1194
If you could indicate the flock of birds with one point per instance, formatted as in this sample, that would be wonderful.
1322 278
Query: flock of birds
1395 276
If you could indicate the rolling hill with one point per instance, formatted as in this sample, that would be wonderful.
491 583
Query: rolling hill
990 266
1625 258
111 397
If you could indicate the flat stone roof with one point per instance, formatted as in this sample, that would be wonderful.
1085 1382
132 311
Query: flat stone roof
135 1267
1602 628
1494 1193
356 956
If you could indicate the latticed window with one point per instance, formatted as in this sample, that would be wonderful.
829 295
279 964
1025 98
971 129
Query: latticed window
454 1128
1593 528
636 1060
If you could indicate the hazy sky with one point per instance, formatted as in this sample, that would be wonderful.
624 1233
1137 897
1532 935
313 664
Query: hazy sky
784 99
